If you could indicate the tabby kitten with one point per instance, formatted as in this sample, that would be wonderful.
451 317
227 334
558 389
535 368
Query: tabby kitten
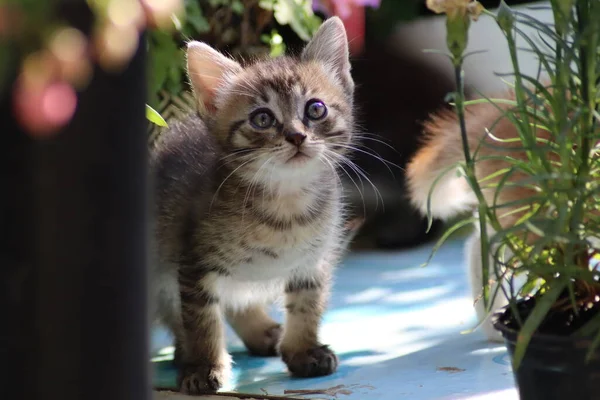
248 206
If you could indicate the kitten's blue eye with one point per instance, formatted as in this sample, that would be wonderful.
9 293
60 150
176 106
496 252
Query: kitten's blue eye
262 119
315 110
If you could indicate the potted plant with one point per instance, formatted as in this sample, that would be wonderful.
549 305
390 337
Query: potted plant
537 209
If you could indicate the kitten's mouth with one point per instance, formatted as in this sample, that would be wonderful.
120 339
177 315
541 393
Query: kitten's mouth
299 157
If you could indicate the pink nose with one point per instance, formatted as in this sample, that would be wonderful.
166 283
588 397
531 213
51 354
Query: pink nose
295 138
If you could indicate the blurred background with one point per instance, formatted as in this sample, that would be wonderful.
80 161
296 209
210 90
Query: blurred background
46 61
398 85
74 78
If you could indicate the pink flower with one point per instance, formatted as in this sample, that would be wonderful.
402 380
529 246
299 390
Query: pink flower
342 8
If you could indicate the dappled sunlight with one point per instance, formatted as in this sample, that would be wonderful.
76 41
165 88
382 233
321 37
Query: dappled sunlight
368 295
396 327
430 271
419 295
399 350
507 394
388 296
487 351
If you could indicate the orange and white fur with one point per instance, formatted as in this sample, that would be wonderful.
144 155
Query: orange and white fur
452 194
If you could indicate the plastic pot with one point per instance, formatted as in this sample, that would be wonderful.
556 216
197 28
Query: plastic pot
554 367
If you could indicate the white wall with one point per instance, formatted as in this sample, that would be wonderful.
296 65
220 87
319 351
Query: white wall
430 33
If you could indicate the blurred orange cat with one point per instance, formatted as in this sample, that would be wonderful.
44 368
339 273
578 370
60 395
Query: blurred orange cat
488 130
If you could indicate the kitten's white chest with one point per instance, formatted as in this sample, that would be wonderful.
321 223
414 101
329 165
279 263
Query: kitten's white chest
265 267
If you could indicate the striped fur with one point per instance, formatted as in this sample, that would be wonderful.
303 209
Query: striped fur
242 217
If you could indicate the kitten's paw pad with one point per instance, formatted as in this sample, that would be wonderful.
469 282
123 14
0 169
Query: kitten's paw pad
199 379
266 346
318 361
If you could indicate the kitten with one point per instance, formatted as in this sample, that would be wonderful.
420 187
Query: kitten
452 195
248 206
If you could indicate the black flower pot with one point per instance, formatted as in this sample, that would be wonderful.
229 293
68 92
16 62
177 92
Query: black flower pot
554 367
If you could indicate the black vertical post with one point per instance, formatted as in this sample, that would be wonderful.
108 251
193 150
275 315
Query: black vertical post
73 314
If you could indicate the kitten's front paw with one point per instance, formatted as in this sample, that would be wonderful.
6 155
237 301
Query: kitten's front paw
317 361
199 379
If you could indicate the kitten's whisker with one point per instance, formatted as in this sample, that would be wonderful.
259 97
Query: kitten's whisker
359 189
238 155
326 160
369 134
360 192
360 172
237 152
225 180
361 137
336 156
276 193
376 156
251 190
382 160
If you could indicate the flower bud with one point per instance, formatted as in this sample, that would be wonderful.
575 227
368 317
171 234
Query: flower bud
458 19
457 34
505 18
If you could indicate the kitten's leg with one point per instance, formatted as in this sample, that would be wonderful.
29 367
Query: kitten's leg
475 265
204 362
257 330
300 349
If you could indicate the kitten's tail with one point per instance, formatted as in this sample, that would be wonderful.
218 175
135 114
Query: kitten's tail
448 194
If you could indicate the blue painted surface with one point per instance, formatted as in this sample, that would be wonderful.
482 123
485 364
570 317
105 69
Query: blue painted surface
396 328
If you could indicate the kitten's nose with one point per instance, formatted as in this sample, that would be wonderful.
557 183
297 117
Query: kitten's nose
295 138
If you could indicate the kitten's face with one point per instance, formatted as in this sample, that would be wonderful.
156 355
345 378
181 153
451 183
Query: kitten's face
286 115
282 118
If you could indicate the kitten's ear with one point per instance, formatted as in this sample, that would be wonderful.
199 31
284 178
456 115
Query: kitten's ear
330 47
208 70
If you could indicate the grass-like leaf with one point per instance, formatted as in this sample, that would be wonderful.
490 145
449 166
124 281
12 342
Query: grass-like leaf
454 228
153 116
593 346
453 167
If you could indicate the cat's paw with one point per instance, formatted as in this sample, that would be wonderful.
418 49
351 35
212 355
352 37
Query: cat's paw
317 361
266 344
199 379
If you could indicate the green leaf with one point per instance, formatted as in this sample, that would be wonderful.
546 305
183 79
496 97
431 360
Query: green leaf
593 346
454 228
539 312
195 18
297 14
487 101
153 116
166 64
591 328
237 7
453 167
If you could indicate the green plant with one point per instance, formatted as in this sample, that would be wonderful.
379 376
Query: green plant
241 27
553 243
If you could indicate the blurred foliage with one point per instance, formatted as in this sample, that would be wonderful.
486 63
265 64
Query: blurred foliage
242 28
382 21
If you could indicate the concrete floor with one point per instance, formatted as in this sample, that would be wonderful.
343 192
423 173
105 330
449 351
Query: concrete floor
398 329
